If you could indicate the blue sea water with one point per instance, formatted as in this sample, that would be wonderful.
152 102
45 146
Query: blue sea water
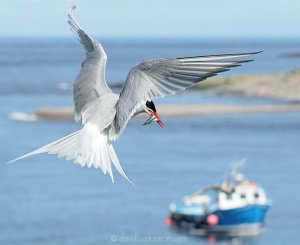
45 200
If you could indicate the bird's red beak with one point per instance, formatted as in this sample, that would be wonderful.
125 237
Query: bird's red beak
157 118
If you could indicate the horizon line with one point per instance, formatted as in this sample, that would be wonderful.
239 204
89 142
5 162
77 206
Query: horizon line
146 37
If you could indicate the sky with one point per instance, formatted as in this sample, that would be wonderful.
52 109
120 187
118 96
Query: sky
153 18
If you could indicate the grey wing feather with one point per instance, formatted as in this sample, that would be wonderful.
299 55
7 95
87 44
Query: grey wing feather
163 77
90 83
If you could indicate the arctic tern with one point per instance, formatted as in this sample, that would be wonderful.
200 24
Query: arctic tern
104 114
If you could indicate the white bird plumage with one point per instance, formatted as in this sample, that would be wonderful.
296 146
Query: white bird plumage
104 114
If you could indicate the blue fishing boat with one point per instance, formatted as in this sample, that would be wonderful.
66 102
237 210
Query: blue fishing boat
236 207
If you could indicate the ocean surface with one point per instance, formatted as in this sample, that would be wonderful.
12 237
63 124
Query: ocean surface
46 200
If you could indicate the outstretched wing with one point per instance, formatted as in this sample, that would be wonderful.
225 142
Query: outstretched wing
90 82
162 77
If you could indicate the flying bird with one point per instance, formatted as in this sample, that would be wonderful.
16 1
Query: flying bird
104 114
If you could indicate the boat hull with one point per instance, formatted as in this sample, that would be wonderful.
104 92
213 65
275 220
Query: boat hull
246 215
246 221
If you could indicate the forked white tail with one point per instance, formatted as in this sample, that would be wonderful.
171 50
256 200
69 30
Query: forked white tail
87 147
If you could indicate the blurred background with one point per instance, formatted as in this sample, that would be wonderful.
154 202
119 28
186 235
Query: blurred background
45 200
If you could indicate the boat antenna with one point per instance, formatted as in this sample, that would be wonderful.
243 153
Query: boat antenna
235 174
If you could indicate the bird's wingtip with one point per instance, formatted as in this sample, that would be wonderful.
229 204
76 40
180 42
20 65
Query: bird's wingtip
71 10
258 52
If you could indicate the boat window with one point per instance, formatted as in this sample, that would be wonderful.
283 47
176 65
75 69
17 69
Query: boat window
229 197
243 196
256 195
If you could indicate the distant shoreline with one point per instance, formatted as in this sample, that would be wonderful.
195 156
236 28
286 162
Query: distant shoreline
284 86
171 110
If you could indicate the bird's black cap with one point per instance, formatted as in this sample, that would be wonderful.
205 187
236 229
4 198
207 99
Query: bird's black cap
151 105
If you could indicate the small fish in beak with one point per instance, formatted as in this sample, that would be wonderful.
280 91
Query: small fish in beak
149 120
153 117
